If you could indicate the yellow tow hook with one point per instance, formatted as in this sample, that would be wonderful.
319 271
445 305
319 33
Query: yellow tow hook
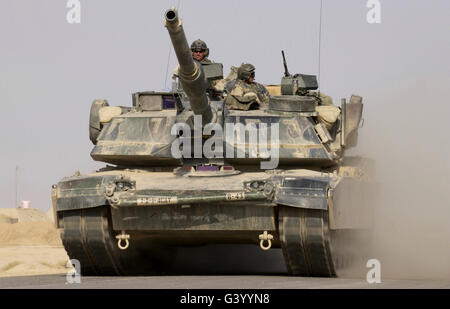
123 237
265 237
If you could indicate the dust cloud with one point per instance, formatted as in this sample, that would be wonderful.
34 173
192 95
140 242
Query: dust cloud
406 135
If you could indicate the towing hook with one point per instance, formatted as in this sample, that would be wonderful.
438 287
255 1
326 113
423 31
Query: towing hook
265 237
109 189
123 237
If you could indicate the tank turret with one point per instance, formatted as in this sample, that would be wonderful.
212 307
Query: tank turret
141 135
190 71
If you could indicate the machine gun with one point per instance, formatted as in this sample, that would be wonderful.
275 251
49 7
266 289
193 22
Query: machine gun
286 72
297 84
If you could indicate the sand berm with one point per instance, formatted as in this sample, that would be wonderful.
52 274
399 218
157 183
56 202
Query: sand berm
29 243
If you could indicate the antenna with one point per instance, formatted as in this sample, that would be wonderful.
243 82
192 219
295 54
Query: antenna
17 186
320 37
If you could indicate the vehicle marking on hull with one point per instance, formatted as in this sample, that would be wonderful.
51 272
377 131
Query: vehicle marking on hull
157 200
235 196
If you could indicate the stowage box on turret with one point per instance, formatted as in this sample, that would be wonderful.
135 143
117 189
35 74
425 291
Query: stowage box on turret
186 170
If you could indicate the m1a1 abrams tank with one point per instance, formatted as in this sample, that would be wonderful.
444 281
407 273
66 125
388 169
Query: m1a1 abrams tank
129 218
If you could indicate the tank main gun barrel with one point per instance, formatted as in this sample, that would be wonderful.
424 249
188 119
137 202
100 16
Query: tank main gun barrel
190 72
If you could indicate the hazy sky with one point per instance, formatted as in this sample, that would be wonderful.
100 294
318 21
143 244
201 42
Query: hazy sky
51 71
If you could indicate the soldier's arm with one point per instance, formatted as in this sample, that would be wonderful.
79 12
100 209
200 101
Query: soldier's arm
239 99
263 94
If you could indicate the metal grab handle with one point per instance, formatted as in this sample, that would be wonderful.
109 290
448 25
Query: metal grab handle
265 237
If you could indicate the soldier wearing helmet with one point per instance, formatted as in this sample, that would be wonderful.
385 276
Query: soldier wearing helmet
200 51
244 93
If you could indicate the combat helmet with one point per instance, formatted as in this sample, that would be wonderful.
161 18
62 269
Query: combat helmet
245 71
199 44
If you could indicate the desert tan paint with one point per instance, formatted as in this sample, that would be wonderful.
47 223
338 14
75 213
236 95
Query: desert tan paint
273 89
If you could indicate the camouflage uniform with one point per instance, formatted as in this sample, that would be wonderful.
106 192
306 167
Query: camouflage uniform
246 95
222 84
206 61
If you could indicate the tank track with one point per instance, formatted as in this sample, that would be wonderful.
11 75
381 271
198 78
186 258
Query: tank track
87 236
309 247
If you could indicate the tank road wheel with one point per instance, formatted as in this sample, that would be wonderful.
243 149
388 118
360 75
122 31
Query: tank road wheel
309 247
88 237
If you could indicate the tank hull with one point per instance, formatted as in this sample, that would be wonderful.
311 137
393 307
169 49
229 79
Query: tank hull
301 213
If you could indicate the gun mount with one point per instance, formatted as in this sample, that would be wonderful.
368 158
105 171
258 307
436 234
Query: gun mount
190 71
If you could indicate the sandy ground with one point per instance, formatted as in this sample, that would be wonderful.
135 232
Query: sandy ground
32 260
29 234
31 245
31 248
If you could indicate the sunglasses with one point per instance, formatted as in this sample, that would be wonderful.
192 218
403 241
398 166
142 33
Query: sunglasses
198 51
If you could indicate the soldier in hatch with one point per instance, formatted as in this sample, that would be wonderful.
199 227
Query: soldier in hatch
244 93
200 51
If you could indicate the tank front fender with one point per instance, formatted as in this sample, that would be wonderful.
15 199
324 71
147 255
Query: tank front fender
303 192
80 192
